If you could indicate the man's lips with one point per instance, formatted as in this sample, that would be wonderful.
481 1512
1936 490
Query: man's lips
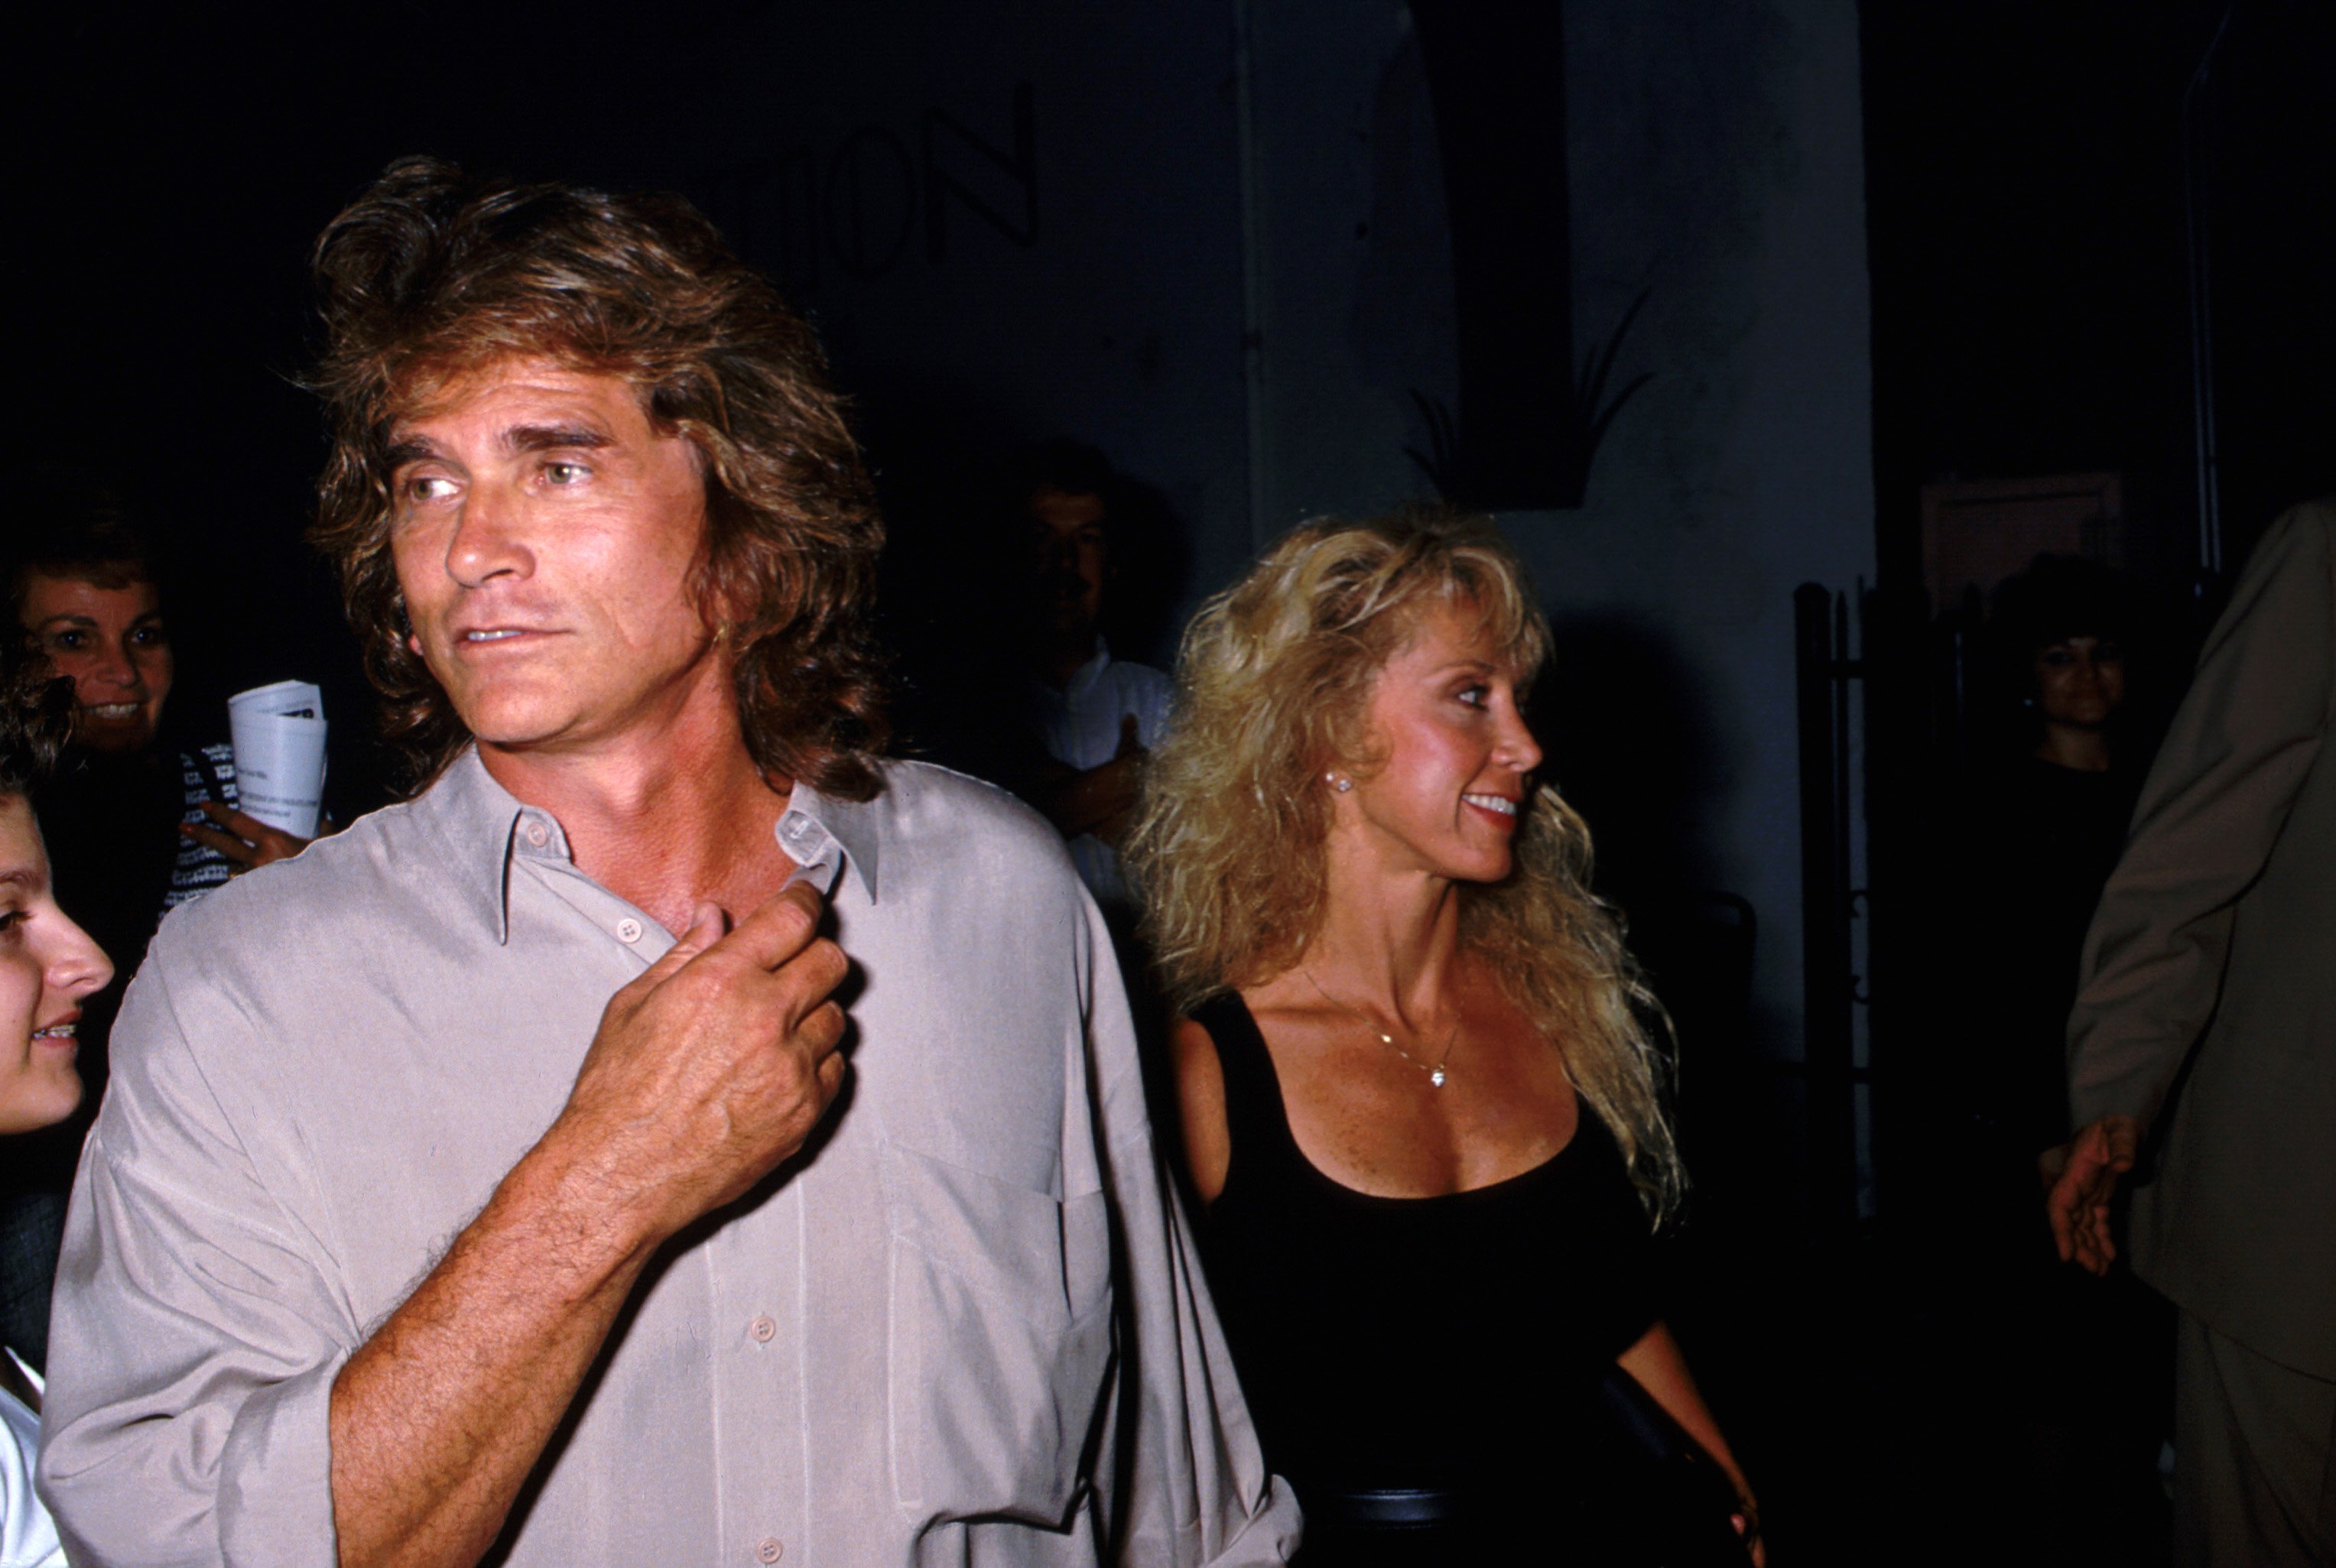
470 638
60 1033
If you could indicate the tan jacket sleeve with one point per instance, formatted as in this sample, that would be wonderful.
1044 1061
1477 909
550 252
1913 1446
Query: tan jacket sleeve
194 1341
2209 815
1190 1486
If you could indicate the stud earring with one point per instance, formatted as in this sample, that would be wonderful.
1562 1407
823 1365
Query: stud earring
1341 785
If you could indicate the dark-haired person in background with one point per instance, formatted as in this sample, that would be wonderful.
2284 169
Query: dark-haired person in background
1096 715
49 968
2043 823
486 1179
141 819
2077 1368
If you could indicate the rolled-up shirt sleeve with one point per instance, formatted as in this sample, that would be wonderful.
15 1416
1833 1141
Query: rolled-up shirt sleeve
1194 1488
195 1338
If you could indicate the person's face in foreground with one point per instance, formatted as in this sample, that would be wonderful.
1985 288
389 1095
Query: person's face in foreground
111 641
1068 532
544 536
47 965
2079 680
1457 757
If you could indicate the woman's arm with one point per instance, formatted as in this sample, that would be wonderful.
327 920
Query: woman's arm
1661 1369
1201 1104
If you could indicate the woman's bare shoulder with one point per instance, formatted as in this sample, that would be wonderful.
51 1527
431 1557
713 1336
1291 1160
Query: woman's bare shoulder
1193 1046
1207 1137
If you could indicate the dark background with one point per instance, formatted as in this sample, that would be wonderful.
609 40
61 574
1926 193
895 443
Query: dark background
2031 274
2021 241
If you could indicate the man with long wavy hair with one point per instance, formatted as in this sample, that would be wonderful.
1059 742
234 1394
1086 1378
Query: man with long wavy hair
402 1238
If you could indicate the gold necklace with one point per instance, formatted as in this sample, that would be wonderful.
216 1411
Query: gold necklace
1434 1073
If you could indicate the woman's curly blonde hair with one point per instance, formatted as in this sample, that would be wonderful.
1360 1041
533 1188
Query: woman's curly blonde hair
1230 850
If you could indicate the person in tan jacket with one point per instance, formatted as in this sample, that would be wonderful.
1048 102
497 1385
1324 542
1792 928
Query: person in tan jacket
2202 1062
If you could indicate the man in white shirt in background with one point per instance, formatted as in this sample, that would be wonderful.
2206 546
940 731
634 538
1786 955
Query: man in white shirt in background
1097 715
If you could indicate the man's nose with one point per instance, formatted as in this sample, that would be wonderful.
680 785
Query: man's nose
486 542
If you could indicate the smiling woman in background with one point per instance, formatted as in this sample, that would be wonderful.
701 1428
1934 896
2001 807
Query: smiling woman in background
136 824
2042 832
2075 1372
47 967
1418 1099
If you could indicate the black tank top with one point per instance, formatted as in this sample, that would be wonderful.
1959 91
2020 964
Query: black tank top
1452 1342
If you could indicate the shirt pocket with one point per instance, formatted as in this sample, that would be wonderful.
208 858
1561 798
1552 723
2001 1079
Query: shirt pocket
999 1340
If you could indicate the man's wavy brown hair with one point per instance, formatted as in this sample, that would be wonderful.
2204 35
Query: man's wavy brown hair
431 275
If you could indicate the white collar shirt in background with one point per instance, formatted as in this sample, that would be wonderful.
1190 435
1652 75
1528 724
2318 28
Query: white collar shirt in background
1080 724
28 1537
907 1347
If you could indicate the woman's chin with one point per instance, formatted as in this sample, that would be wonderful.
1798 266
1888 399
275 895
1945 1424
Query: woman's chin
113 739
44 1095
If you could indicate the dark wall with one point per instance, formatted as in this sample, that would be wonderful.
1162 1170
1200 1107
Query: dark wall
2030 268
1007 226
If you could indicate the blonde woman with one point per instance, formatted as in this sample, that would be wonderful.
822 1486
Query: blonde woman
1418 1099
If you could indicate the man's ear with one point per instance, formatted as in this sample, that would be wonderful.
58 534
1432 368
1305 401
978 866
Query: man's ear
718 609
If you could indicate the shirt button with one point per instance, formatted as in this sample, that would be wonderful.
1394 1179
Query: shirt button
763 1329
538 834
628 930
768 1550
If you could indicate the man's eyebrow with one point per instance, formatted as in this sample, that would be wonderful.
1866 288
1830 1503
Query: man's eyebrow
518 438
413 449
549 437
71 618
20 877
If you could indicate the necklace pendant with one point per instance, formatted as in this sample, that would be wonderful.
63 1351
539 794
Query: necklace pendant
1436 1078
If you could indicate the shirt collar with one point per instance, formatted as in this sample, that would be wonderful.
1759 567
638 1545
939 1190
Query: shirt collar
491 826
812 823
1084 678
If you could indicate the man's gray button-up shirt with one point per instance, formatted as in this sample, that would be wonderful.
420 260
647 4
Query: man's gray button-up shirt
908 1346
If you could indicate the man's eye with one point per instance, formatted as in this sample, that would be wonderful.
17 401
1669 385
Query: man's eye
9 921
566 472
423 487
68 641
149 637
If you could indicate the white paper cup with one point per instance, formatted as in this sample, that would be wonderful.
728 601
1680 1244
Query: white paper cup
278 734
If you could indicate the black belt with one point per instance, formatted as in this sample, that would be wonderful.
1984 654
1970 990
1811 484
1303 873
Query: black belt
1396 1508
